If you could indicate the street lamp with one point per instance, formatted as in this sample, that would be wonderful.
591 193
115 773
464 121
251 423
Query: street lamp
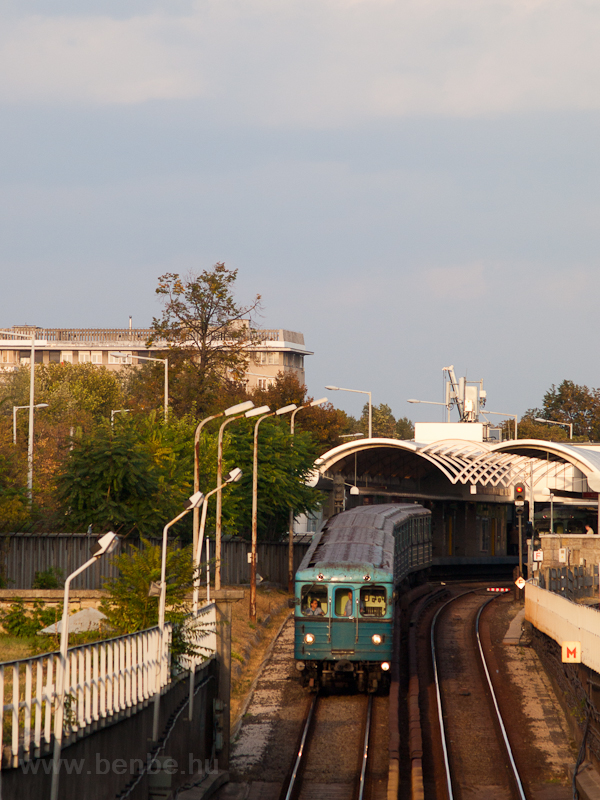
195 501
501 414
350 435
237 409
18 408
433 403
357 391
279 412
234 476
291 525
252 412
31 407
117 411
568 425
164 361
106 544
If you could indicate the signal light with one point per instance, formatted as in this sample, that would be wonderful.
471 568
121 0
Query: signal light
519 497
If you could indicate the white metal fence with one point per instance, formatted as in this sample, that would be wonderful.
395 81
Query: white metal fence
102 679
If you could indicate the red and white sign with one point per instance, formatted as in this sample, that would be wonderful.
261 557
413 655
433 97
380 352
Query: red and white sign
520 583
498 589
538 555
571 652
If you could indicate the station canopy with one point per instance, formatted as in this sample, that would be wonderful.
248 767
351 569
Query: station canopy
453 467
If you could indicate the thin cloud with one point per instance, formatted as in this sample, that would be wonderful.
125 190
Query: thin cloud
315 63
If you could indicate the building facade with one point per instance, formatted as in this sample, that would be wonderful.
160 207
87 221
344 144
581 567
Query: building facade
271 351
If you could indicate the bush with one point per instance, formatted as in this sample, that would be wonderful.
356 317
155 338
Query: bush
18 622
51 578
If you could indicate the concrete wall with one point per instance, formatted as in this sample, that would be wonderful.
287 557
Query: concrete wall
106 758
565 621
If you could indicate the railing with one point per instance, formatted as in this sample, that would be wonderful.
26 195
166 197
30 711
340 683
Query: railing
102 679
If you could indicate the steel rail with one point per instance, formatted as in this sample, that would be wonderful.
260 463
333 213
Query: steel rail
365 752
516 775
287 794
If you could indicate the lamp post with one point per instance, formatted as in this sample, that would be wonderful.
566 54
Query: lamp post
164 361
195 501
18 408
501 414
291 525
279 412
31 407
106 544
117 411
357 391
433 403
234 476
568 425
237 409
218 528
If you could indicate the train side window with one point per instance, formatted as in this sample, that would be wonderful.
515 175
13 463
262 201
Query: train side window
344 603
373 601
314 600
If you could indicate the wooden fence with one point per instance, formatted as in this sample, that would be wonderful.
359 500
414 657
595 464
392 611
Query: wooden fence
24 554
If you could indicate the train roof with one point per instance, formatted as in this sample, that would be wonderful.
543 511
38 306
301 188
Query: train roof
362 536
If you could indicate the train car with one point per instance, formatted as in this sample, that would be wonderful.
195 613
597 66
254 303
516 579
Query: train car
345 591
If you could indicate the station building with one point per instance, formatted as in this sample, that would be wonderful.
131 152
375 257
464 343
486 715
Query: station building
468 484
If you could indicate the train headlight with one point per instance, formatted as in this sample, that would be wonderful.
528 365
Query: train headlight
376 638
385 666
309 638
300 665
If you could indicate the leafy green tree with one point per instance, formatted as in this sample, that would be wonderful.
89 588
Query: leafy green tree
75 389
207 332
405 428
132 477
282 471
128 606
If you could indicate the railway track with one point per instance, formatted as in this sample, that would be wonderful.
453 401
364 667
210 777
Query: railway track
318 750
478 759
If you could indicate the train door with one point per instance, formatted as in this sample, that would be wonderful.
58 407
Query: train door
343 623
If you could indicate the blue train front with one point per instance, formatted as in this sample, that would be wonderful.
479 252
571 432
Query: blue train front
345 592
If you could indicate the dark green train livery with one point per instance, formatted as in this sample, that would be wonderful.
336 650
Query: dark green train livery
345 591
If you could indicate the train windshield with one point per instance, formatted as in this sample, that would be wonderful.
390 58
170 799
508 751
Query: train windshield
314 600
373 601
344 604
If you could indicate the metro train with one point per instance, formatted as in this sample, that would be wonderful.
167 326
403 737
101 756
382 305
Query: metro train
346 586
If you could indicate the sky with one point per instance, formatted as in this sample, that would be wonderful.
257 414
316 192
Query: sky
410 184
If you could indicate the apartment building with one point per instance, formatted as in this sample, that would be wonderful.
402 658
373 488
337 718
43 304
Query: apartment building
270 352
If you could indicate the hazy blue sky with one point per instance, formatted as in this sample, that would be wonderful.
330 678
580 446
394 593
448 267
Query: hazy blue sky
410 184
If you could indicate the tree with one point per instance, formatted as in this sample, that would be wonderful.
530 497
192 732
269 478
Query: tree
282 472
207 332
74 390
132 477
569 403
405 429
128 606
325 423
384 423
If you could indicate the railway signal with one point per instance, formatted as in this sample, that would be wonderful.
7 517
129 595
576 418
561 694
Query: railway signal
519 490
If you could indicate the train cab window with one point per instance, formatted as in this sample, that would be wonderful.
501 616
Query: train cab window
344 603
373 601
314 600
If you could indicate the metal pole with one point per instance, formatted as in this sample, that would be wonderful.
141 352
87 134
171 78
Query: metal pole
60 681
161 622
15 423
516 427
291 519
196 518
166 389
551 513
31 402
207 570
370 417
218 525
254 518
520 545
